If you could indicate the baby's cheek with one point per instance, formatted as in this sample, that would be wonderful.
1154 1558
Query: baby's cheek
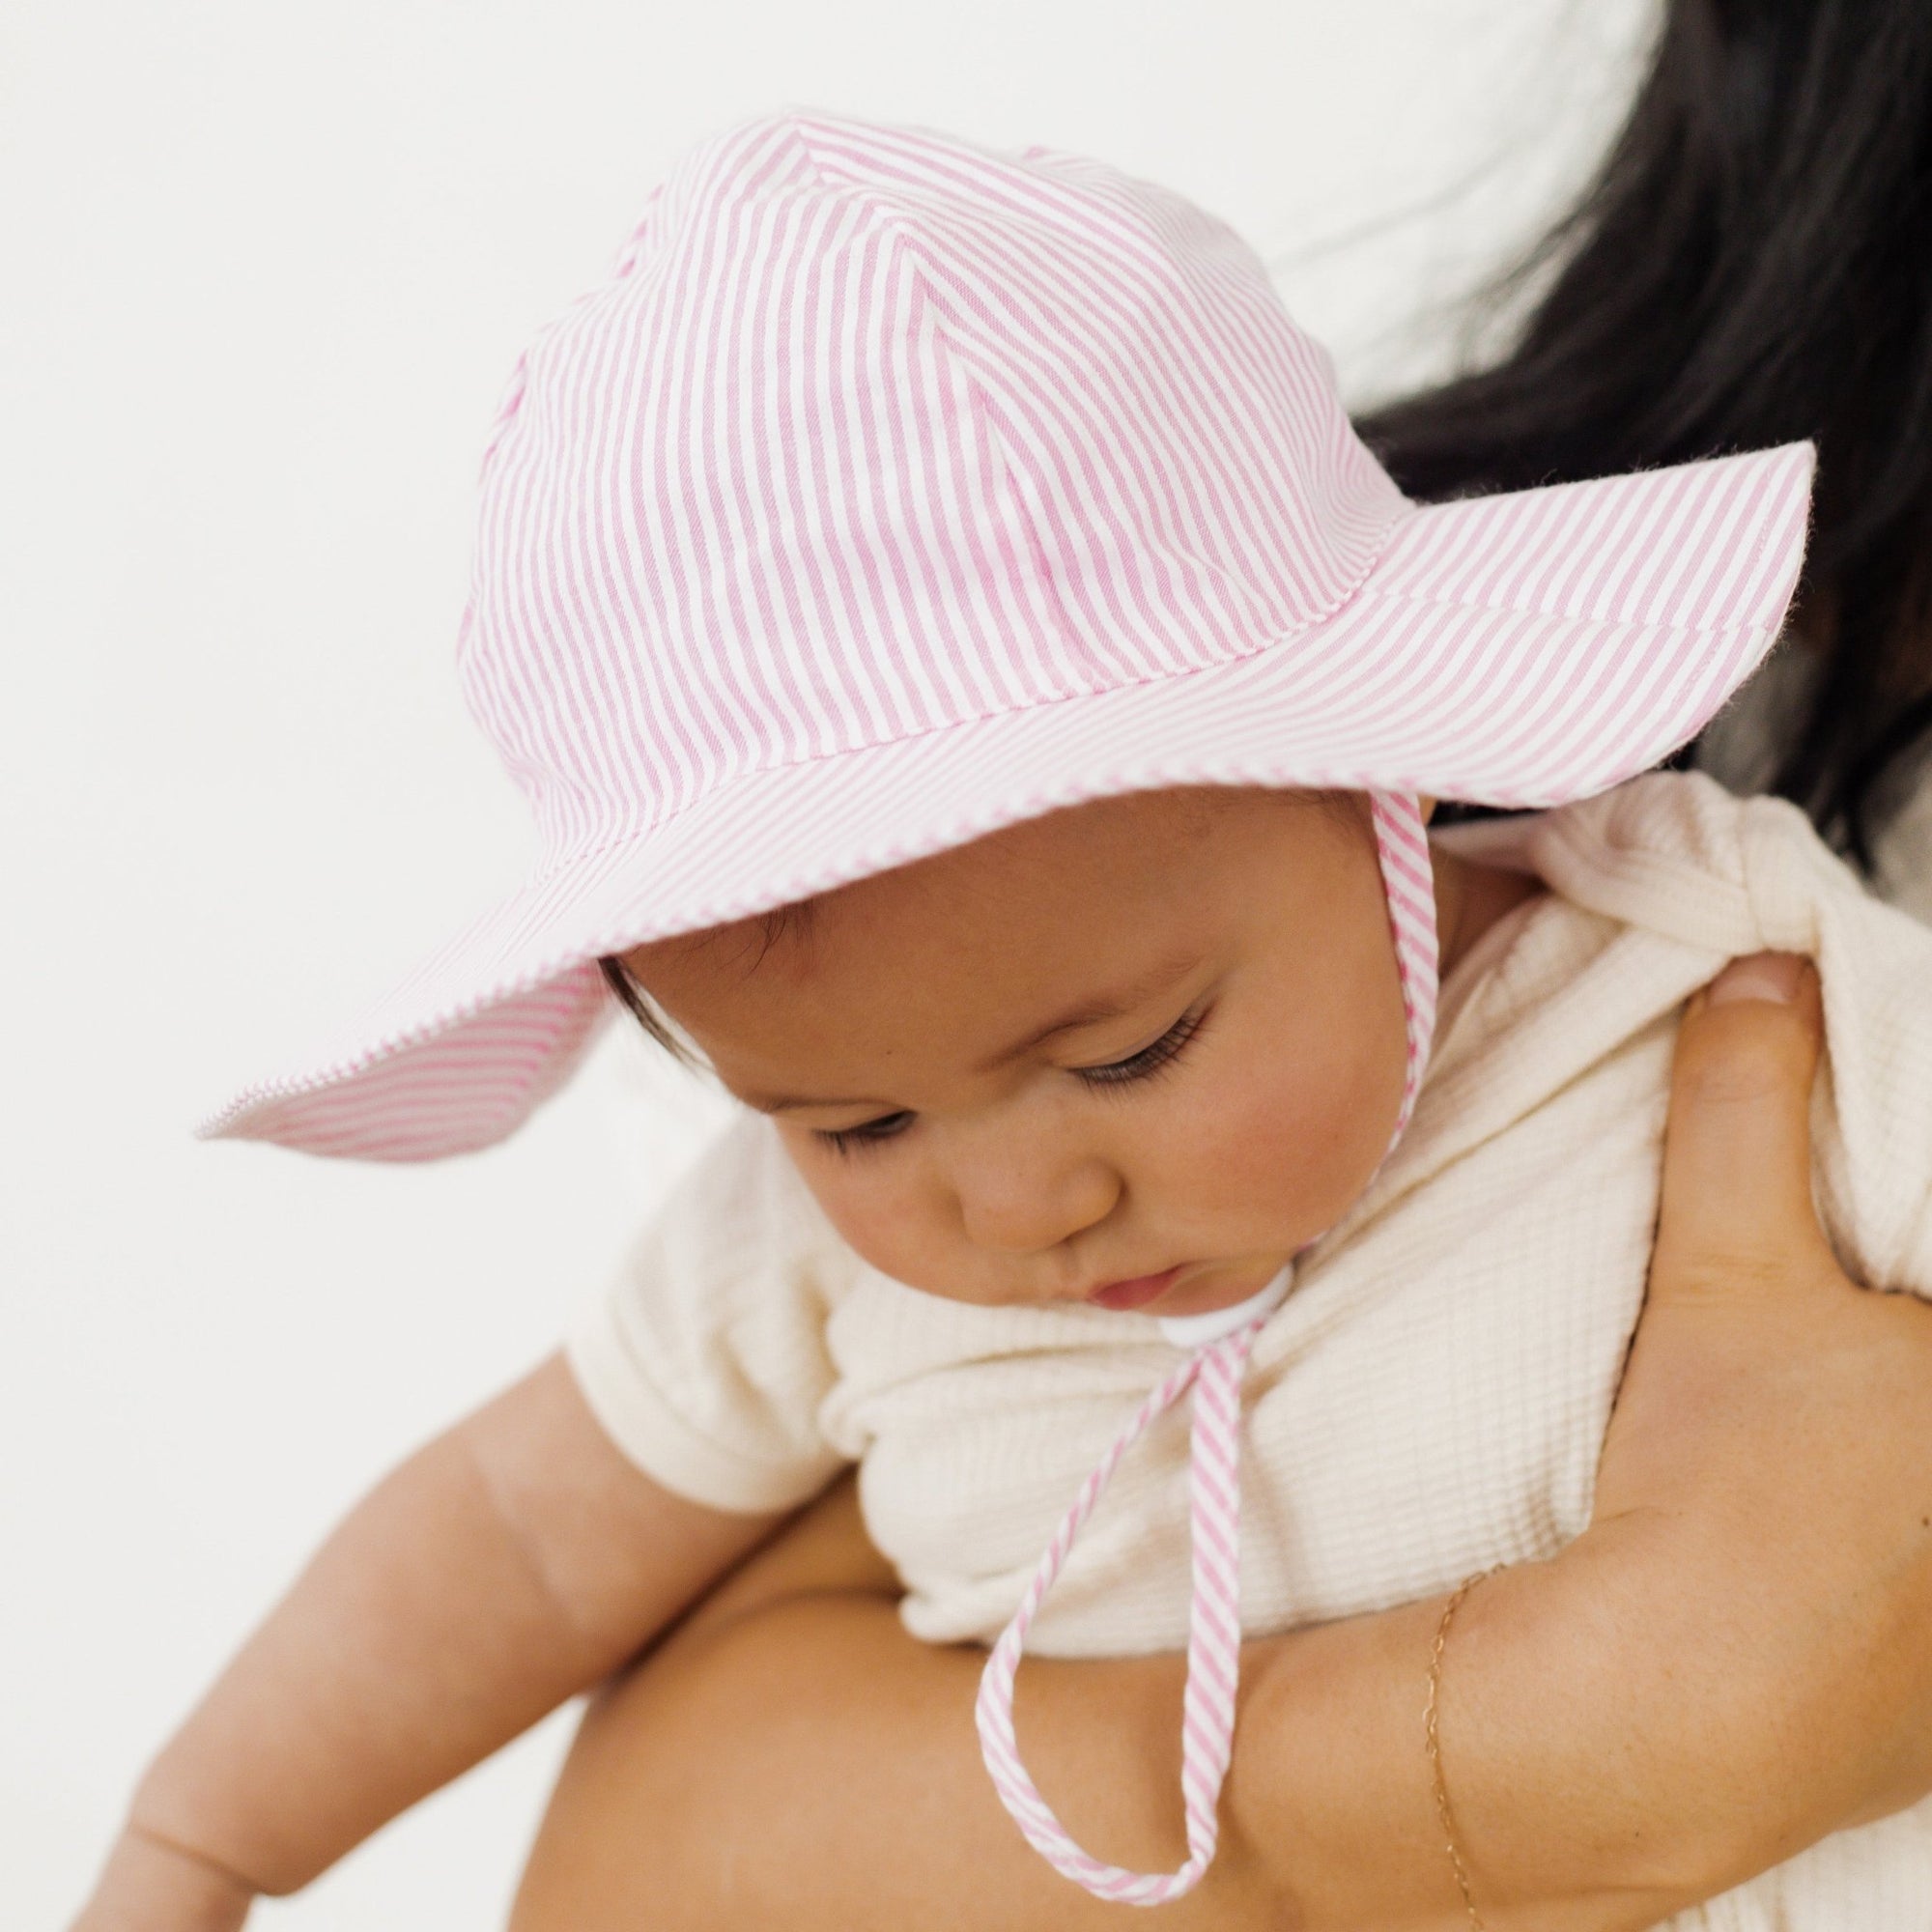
1291 1144
883 1221
898 1245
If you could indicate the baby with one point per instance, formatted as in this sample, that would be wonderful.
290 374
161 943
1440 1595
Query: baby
976 690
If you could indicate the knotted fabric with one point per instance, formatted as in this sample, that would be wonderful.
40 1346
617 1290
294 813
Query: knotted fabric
1218 1345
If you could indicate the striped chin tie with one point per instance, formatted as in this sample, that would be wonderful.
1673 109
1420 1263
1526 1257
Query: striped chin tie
1218 1345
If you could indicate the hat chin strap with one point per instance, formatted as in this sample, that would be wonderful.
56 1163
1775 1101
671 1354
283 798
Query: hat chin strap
1408 878
1219 1342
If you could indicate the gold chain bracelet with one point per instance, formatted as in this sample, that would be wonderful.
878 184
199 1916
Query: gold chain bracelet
1434 1745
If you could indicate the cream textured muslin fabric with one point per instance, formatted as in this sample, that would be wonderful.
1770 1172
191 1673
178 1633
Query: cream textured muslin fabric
1431 1398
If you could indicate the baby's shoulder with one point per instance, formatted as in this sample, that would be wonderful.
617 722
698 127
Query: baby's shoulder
1675 853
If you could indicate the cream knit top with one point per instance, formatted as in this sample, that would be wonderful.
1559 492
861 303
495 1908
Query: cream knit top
1431 1398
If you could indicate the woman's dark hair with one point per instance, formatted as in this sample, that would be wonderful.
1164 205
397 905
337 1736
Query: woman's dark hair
1752 264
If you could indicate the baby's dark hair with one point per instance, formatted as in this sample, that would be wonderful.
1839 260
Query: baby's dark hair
772 926
634 1001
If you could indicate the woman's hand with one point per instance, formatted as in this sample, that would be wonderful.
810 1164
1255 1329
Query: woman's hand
1766 1466
1734 1660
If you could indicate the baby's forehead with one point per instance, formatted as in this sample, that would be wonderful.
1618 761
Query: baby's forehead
1123 840
1033 901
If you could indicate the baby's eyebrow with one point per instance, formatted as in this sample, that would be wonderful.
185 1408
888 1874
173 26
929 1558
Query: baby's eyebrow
1107 1006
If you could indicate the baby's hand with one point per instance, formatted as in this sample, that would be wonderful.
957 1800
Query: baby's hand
148 1886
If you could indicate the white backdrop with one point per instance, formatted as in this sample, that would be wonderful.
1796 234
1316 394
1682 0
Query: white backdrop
263 271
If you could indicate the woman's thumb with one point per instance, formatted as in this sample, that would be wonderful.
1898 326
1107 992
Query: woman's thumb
1737 1160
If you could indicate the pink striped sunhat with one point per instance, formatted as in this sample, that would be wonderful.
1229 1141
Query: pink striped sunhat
893 491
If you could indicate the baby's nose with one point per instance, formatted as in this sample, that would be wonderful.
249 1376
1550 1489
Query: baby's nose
1026 1203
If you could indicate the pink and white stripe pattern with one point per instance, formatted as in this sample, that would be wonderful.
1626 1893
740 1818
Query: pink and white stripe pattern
1408 878
892 491
1214 1372
1213 1634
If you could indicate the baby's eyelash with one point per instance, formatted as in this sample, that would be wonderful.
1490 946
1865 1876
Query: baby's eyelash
1141 1066
855 1140
1149 1060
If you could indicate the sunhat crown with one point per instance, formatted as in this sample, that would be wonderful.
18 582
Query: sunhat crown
875 433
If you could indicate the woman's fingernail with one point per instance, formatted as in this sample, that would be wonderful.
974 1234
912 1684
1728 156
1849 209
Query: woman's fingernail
1765 976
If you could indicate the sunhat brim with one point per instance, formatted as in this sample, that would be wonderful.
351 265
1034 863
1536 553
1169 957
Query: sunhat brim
1517 650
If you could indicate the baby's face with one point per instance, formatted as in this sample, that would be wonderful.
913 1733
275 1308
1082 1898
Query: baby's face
1151 1033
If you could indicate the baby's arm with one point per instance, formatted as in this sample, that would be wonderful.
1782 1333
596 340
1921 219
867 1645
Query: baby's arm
514 1561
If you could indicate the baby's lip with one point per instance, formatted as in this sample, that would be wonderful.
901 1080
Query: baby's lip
1134 1292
